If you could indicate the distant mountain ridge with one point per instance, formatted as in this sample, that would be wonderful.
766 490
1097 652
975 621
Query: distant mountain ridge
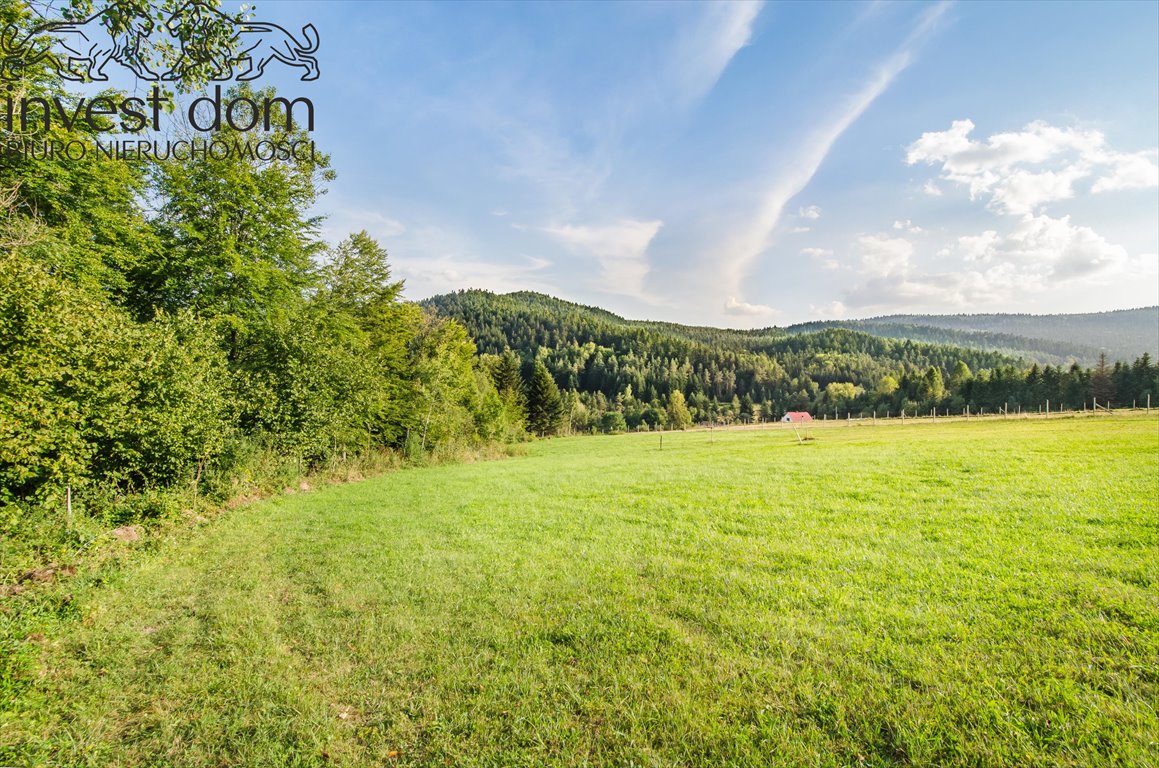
1058 338
616 373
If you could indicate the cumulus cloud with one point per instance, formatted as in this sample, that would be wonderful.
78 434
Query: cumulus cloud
882 256
1137 171
823 255
1019 172
932 189
907 226
809 212
937 291
834 310
1036 254
620 249
734 306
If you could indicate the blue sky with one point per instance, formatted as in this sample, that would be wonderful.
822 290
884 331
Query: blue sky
748 164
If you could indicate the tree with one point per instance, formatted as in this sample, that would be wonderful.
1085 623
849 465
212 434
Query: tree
887 386
358 275
959 376
931 387
1102 386
238 234
544 406
678 415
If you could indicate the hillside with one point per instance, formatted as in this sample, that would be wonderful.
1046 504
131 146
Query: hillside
608 366
1055 339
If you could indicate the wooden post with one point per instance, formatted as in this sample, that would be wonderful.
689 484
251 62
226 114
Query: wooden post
661 441
1048 409
426 423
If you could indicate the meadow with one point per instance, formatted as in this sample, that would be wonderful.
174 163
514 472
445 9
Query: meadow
927 594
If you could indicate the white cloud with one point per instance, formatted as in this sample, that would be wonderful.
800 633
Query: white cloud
977 247
937 292
1037 253
816 253
704 53
434 274
1045 249
1021 171
1135 171
834 310
735 307
809 212
932 189
882 256
799 230
1062 250
1024 192
620 248
907 226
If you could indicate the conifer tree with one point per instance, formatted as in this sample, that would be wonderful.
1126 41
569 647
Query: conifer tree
544 405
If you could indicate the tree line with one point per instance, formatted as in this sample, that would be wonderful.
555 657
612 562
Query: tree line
614 374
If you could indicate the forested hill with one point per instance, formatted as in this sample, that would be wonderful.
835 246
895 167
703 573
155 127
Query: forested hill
615 371
1122 334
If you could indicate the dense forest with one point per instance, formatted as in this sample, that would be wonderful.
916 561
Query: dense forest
617 374
1055 339
179 327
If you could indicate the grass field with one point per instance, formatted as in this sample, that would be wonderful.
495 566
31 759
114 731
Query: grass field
953 594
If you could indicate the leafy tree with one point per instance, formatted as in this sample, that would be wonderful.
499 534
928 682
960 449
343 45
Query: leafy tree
960 376
239 241
678 415
613 422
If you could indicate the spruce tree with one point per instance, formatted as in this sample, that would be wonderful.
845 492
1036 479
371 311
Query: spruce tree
544 405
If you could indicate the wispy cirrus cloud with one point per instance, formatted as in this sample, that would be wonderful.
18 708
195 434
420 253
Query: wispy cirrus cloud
431 275
620 248
742 250
704 51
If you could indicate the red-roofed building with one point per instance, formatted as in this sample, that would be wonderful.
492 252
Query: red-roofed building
797 416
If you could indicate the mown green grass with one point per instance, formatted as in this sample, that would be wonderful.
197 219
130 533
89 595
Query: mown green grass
951 594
